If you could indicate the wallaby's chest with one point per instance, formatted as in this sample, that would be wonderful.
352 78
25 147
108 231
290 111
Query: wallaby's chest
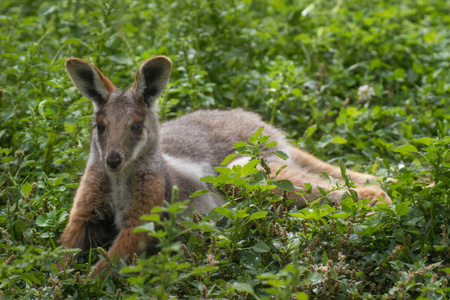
120 199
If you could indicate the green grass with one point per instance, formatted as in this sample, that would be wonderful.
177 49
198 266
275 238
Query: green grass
297 63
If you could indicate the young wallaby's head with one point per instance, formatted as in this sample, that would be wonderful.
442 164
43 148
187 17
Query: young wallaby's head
126 122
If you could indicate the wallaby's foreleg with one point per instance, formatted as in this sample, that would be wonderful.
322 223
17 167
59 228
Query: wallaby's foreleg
315 165
86 211
87 207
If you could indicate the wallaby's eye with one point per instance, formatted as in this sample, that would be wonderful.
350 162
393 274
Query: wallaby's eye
100 128
137 128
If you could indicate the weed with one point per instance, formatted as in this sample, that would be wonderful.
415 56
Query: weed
365 83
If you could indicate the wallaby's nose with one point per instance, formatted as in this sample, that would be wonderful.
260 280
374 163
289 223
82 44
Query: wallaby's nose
113 160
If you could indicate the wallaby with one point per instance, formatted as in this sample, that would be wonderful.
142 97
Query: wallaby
134 162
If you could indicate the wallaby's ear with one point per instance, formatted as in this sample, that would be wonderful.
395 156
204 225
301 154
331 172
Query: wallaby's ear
90 81
151 80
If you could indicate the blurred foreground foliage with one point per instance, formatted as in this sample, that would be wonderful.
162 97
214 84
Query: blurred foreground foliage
365 82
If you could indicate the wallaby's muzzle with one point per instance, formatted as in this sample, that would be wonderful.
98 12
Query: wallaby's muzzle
113 161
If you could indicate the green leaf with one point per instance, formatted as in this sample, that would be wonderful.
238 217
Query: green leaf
250 167
240 145
73 41
29 278
399 73
26 188
62 216
281 169
209 178
129 28
223 170
41 220
244 287
258 132
314 277
158 209
261 247
21 226
260 176
299 215
228 159
340 216
315 214
60 160
297 92
158 234
47 234
301 296
284 185
406 149
201 270
384 207
430 37
151 218
339 140
240 214
199 193
401 209
225 212
70 128
424 141
342 167
271 144
182 266
325 258
375 63
280 154
145 227
258 215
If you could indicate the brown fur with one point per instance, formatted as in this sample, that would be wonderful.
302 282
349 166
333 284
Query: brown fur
133 164
87 207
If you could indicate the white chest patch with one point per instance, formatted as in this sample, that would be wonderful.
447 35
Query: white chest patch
120 199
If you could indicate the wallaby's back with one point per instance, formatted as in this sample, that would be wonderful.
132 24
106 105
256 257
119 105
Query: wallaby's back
209 135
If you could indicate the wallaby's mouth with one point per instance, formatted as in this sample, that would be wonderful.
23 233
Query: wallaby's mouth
116 170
